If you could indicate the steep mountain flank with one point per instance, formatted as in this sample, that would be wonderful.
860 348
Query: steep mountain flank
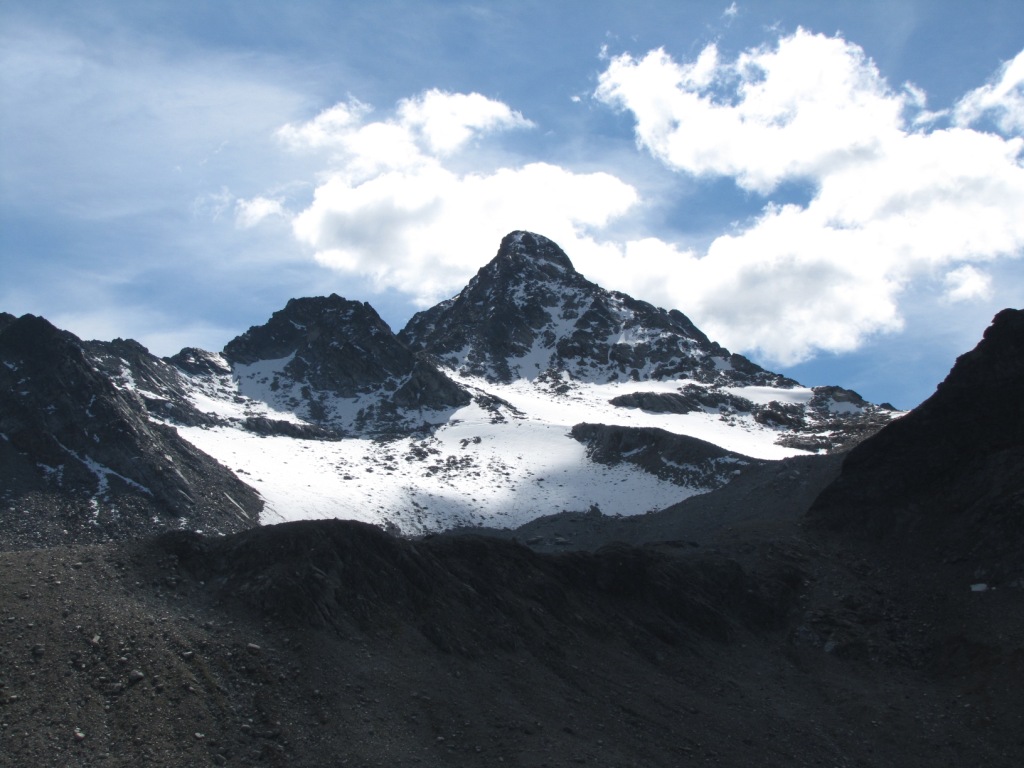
83 461
946 481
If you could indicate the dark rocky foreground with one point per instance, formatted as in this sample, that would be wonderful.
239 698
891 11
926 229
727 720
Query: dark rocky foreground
331 643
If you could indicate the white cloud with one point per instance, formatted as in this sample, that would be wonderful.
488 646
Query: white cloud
811 105
446 121
426 230
1003 99
249 213
436 123
967 283
329 128
391 208
889 205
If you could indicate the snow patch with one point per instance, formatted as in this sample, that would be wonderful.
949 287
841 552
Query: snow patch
767 395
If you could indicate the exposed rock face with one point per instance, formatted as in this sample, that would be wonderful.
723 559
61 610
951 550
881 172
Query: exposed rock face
159 384
684 460
333 344
100 468
319 348
529 312
690 398
196 362
947 479
832 419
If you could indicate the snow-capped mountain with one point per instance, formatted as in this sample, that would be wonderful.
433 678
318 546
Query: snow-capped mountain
529 314
530 392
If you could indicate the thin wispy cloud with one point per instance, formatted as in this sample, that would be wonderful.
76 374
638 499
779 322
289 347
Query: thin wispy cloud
249 213
1001 100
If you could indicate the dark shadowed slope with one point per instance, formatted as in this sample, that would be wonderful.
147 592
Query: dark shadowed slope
81 459
946 481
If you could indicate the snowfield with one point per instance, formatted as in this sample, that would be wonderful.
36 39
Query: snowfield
499 466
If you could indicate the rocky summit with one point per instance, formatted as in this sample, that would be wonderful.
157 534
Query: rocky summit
529 314
333 346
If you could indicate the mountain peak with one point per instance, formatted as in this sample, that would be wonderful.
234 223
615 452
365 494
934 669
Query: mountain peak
528 314
322 348
531 247
313 320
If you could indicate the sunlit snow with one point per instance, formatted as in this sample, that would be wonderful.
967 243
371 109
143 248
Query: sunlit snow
484 466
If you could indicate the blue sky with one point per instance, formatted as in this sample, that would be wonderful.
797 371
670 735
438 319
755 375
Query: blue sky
834 189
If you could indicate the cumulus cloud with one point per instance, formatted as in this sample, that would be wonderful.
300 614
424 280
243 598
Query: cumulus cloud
327 129
891 202
435 122
446 121
966 283
809 106
392 208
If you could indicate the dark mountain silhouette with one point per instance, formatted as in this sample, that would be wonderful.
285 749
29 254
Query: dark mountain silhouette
946 481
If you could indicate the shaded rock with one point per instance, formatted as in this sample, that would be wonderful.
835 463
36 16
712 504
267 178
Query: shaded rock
679 458
83 457
947 479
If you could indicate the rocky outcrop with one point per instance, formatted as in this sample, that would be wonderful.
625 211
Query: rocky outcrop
681 459
690 398
156 382
833 419
426 386
333 346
